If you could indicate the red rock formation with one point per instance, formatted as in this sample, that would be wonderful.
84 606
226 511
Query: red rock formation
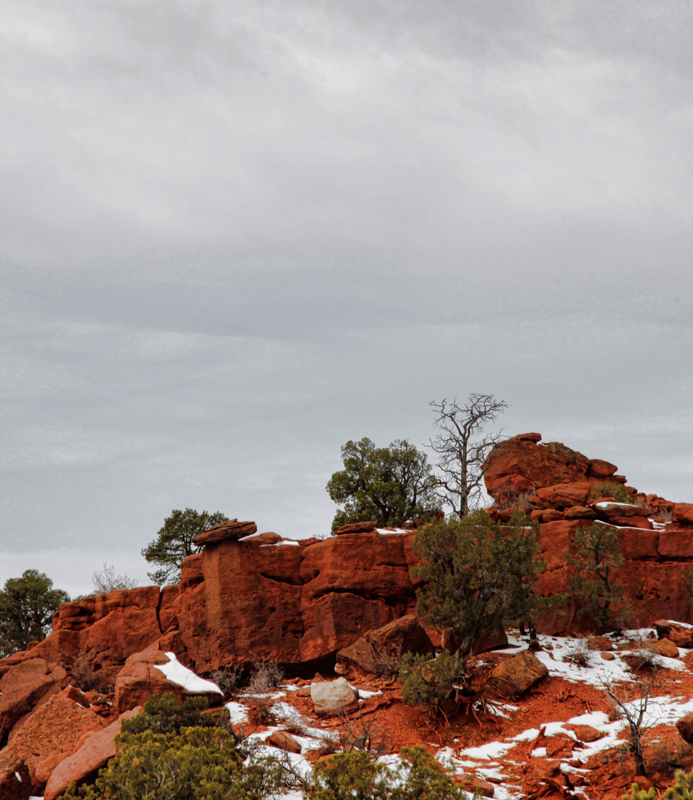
93 754
53 732
520 465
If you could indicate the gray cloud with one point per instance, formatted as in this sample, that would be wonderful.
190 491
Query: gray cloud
235 235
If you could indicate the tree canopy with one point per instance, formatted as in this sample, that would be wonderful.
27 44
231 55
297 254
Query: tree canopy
27 605
387 484
174 543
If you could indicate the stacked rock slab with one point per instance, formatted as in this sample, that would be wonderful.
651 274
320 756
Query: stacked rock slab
554 485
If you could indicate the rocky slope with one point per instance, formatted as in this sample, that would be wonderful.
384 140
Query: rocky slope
316 606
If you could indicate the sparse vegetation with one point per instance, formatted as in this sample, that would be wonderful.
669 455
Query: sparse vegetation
264 679
107 580
357 776
462 449
228 678
431 681
633 708
619 492
363 733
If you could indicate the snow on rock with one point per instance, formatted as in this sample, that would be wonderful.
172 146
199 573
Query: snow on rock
182 676
238 712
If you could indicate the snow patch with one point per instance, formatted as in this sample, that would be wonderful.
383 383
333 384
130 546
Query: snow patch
182 676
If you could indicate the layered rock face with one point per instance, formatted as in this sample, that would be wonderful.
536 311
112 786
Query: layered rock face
554 485
240 600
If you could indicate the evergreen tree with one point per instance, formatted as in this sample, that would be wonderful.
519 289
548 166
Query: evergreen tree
27 605
387 484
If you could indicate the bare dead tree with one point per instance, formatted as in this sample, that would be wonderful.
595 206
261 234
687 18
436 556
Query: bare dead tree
634 711
463 447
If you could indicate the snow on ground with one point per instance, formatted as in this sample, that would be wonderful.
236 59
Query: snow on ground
598 672
182 676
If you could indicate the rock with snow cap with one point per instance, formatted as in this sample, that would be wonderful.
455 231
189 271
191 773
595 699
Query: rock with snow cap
680 633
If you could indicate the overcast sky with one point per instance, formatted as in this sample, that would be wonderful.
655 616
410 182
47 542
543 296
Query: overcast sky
235 234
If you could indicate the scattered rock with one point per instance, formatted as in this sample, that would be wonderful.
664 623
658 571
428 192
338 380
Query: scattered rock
599 643
678 632
515 676
664 647
284 741
90 757
230 531
332 698
476 786
585 733
606 656
685 728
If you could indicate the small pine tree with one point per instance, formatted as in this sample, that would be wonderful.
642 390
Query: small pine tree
596 557
430 682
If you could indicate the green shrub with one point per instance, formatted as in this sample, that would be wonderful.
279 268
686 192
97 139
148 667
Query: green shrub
681 790
636 793
165 714
430 681
618 491
357 776
195 764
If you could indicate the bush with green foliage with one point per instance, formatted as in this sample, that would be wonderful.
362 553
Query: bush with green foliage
387 484
357 776
181 751
174 542
195 764
618 491
430 682
596 555
27 605
477 574
682 789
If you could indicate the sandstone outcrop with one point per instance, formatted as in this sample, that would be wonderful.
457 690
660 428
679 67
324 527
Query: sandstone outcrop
53 732
141 677
93 754
23 686
377 650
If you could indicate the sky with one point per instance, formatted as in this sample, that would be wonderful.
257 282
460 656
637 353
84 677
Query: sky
235 235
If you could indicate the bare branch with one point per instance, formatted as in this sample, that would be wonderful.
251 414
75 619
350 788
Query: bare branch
462 447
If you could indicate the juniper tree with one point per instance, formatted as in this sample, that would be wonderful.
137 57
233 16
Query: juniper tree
387 484
477 574
596 554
